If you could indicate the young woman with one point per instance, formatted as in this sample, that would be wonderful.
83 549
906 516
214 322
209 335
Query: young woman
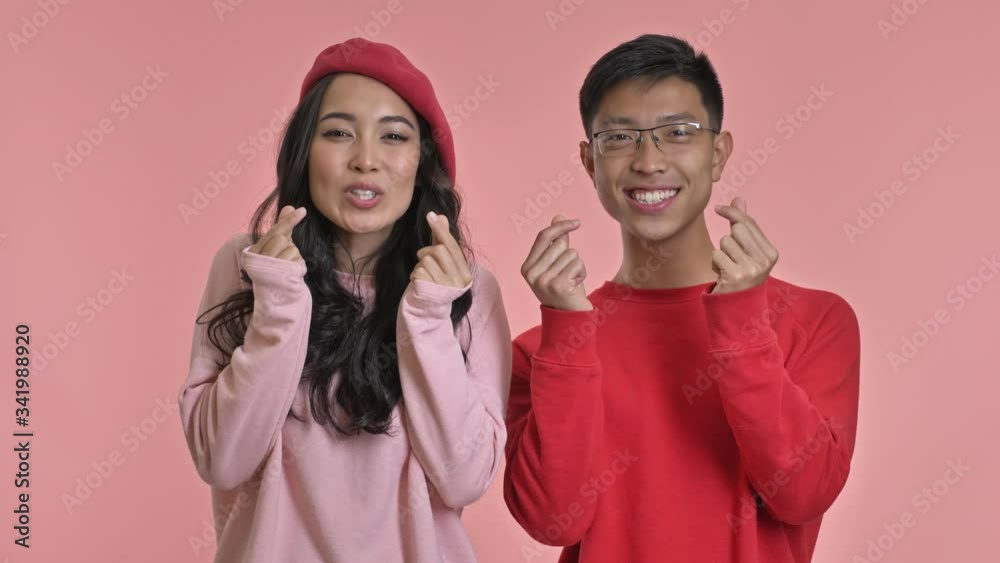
350 366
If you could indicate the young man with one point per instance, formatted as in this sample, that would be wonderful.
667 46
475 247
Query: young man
694 408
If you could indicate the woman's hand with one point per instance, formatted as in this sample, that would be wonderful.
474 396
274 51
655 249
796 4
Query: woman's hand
443 261
278 241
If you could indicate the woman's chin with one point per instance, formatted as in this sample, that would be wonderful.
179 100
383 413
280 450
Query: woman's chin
364 226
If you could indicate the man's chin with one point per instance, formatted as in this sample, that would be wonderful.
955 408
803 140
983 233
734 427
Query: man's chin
649 228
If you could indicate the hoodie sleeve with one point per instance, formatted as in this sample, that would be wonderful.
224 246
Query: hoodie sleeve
453 409
795 425
555 420
232 418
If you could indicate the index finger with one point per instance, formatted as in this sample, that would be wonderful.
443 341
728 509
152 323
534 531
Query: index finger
735 215
547 236
286 223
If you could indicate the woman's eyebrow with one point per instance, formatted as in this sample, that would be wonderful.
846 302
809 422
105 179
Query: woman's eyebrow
351 117
397 119
338 115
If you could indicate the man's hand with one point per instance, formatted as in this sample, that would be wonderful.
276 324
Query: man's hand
745 257
554 271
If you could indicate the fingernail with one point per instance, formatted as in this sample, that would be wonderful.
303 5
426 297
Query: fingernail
433 216
718 207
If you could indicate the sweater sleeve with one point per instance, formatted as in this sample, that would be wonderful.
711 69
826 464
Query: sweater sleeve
555 421
232 418
794 425
453 408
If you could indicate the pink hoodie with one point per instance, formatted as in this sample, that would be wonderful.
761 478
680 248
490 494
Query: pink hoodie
292 492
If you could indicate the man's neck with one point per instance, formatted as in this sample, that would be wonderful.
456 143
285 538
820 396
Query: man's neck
682 260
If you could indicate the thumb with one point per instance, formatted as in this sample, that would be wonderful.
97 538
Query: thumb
740 203
432 220
559 219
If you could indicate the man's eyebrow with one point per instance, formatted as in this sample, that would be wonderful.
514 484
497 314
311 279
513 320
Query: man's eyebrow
675 117
665 118
384 119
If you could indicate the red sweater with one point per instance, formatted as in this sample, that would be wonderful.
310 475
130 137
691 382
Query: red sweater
675 425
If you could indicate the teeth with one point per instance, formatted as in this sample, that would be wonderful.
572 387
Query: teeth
652 196
363 194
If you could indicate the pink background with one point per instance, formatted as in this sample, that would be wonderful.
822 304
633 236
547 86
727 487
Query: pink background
63 237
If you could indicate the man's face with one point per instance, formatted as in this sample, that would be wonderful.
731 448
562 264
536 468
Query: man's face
655 193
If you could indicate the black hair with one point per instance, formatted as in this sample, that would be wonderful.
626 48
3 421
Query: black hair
650 58
342 337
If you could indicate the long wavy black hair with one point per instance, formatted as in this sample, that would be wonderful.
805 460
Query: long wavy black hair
342 337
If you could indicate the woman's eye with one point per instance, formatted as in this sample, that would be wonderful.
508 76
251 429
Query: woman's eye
336 133
396 137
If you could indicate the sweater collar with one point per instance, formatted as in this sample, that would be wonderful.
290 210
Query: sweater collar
622 292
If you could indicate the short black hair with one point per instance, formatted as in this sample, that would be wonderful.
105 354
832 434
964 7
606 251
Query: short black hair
651 58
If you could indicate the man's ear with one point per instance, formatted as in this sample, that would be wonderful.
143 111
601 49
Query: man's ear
587 158
720 154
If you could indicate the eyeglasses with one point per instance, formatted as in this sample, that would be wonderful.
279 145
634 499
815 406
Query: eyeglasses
667 138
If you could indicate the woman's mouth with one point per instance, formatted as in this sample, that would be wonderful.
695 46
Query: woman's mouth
363 196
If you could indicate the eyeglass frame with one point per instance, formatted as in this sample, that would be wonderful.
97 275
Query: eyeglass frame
638 143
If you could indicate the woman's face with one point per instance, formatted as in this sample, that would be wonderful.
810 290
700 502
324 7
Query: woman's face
364 156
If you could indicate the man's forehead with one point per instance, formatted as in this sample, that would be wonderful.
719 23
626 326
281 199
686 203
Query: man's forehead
667 100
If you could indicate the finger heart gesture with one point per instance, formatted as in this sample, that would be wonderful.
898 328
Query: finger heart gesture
443 262
745 257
